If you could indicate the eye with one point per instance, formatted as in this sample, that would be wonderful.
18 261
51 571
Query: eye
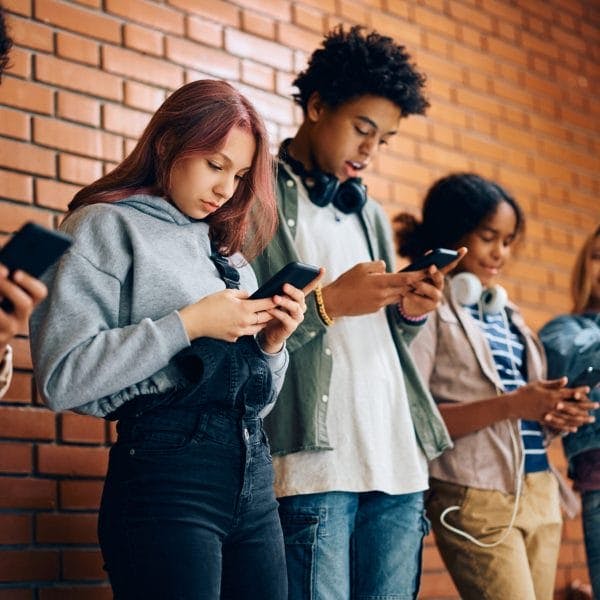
214 165
383 142
360 131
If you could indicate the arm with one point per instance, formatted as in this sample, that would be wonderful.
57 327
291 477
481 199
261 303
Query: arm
5 370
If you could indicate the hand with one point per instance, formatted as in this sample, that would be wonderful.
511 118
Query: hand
570 414
25 293
545 401
226 315
365 288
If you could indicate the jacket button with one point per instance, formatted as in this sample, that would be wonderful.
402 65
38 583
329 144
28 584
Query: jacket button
291 222
324 397
290 183
328 351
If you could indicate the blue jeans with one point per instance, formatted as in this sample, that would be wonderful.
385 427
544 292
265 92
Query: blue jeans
342 545
591 529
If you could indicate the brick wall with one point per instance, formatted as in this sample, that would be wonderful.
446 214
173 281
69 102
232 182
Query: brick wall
513 88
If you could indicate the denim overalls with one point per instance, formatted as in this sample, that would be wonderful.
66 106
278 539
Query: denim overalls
188 509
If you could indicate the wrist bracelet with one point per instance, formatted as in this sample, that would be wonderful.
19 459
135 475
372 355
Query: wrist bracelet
321 307
408 318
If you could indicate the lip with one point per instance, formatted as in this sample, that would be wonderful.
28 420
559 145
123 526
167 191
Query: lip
209 206
352 168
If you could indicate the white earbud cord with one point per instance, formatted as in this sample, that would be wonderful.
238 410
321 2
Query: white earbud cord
520 469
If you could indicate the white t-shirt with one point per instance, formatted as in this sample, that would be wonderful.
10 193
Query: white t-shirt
368 418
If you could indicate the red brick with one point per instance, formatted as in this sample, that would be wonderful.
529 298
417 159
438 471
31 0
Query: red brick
28 565
20 63
27 492
143 39
28 33
26 95
259 75
148 13
278 9
26 423
79 170
144 68
80 495
265 51
353 10
77 48
75 107
15 186
14 124
125 121
92 592
308 17
279 109
18 6
15 458
76 77
74 528
20 386
474 16
144 97
297 37
77 139
73 18
215 10
328 6
72 460
258 24
15 529
54 194
79 565
202 30
17 216
81 428
213 61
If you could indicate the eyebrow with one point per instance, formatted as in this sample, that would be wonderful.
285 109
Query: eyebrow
229 161
373 124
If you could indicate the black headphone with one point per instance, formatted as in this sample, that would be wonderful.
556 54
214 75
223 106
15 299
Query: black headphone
349 196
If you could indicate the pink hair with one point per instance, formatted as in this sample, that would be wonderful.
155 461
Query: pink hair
195 120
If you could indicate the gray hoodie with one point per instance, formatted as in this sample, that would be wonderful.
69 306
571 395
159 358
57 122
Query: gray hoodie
110 327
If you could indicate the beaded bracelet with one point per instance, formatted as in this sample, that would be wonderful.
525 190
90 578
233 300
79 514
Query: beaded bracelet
408 318
321 307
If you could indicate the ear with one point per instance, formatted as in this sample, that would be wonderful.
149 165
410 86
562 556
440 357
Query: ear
314 107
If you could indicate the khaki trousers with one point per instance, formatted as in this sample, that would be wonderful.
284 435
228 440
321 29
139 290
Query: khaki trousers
523 566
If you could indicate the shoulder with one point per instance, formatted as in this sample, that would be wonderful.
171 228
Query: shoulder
562 325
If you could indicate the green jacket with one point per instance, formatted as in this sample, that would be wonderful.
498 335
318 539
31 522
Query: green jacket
299 419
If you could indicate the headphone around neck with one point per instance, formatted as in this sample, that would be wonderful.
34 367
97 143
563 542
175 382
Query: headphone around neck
468 290
349 196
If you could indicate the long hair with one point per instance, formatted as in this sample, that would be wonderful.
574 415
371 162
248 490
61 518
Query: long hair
195 120
581 284
454 206
5 43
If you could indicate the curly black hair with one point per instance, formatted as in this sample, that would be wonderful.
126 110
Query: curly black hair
5 43
352 64
454 206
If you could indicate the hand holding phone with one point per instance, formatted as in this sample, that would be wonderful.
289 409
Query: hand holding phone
295 273
440 257
32 249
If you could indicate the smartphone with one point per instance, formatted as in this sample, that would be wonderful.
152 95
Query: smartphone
296 273
590 376
32 249
440 257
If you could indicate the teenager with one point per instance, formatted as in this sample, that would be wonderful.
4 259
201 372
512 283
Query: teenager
572 343
23 291
354 426
493 500
144 325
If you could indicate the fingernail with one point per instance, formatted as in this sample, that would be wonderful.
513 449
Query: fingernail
560 406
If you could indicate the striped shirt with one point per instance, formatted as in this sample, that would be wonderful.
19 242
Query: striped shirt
508 352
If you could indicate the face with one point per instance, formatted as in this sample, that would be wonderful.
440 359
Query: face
490 245
200 185
594 270
344 139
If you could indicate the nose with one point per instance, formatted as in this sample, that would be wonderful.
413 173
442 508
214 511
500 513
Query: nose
225 188
368 146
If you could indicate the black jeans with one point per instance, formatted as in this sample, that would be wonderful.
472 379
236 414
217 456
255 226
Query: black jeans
188 509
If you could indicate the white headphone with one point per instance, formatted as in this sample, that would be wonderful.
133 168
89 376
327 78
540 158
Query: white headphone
467 289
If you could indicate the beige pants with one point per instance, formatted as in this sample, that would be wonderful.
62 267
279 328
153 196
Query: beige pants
523 566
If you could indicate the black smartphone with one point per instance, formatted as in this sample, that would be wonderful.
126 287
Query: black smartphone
440 257
590 376
296 273
32 249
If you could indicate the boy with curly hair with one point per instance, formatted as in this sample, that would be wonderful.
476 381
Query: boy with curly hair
354 426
